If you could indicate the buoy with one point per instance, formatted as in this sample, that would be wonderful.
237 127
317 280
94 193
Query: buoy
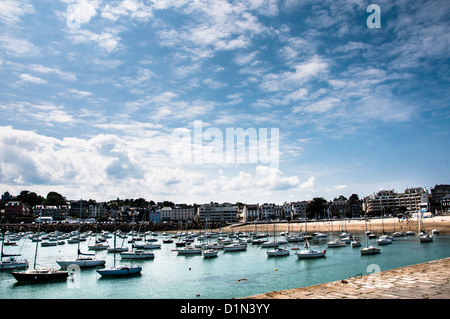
276 269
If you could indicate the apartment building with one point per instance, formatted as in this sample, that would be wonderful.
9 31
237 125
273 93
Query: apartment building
250 212
183 213
215 212
299 209
413 199
439 191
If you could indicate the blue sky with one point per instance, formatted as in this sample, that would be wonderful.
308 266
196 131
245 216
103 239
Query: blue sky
91 92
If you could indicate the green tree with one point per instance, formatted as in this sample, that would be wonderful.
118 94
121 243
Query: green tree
30 198
55 199
316 208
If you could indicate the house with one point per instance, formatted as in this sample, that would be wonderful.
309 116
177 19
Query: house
14 209
445 203
250 212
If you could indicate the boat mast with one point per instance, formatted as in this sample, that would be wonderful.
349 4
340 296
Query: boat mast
79 229
37 241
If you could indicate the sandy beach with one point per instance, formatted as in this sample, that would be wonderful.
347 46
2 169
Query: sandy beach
442 223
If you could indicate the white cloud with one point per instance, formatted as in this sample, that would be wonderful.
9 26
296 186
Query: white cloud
321 106
132 8
80 12
48 70
18 47
31 79
12 10
107 40
304 72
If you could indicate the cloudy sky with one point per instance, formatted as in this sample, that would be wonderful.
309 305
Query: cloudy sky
92 91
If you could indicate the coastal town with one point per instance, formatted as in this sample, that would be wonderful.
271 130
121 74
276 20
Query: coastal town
27 206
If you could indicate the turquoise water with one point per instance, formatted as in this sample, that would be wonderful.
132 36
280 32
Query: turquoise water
171 276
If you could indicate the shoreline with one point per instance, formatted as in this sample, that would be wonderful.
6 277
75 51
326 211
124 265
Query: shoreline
391 224
427 280
375 225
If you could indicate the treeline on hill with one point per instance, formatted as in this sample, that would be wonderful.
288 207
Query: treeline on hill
31 199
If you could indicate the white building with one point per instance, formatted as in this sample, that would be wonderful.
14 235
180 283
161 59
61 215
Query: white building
214 212
250 212
299 209
166 214
182 213
413 199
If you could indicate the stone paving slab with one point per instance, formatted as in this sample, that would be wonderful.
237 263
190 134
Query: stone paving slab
430 280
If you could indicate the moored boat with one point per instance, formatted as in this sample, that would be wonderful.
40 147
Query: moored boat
235 247
277 252
210 253
370 250
13 263
122 270
39 275
137 254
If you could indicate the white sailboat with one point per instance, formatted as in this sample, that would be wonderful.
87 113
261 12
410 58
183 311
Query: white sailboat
137 254
369 250
355 240
209 252
238 246
309 252
424 237
277 252
189 250
335 242
11 262
384 240
83 260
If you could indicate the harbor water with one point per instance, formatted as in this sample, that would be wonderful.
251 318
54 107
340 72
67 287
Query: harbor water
230 275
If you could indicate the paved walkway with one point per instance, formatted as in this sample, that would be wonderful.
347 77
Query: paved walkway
430 280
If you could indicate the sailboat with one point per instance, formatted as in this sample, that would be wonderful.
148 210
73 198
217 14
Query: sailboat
83 260
309 252
209 252
369 250
121 270
335 242
39 274
274 243
277 251
355 240
11 262
98 245
424 237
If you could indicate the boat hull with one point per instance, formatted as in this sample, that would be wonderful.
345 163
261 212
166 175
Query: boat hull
306 254
133 255
370 251
235 248
82 263
210 253
34 275
13 265
120 271
278 253
189 251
